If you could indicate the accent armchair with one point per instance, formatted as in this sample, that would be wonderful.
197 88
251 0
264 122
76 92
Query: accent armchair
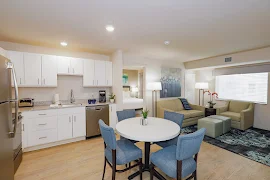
241 114
118 152
178 161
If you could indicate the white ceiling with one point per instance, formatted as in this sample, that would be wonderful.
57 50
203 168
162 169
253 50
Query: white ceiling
196 28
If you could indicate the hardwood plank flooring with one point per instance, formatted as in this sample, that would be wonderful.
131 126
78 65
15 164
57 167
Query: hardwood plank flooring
84 161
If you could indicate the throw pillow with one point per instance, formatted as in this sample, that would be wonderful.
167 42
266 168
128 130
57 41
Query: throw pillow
185 104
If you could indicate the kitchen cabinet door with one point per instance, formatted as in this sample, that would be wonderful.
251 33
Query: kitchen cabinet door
79 125
49 71
76 66
100 73
18 63
32 67
89 73
108 73
112 115
64 127
63 65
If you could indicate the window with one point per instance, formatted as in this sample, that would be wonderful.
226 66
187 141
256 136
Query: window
243 87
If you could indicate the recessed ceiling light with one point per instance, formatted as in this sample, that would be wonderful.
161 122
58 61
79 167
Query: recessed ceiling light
63 43
110 28
167 42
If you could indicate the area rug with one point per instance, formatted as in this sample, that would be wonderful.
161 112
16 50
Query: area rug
252 143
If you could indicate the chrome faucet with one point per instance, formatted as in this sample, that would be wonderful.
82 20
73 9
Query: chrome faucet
72 98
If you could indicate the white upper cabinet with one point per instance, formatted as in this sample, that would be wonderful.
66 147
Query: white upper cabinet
76 65
70 66
100 73
49 71
32 67
108 73
63 65
18 63
89 73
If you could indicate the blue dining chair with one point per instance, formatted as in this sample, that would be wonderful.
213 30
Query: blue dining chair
178 119
178 161
126 114
118 152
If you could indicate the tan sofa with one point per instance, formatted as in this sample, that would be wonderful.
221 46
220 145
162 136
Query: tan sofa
174 105
241 113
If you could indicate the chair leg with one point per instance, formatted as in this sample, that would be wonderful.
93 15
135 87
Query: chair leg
195 175
129 164
113 164
104 168
151 171
140 168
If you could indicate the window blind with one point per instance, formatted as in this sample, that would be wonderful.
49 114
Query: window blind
243 87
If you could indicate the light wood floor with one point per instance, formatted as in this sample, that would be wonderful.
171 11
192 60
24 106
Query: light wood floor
84 160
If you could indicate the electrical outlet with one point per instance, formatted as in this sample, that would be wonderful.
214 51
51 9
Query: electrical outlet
228 59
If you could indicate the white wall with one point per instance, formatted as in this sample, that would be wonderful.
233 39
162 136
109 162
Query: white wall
152 72
117 88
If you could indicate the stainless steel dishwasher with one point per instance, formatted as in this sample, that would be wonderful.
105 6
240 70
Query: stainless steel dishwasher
93 115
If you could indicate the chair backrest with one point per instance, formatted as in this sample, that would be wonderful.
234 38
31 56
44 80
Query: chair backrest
238 106
189 145
175 117
125 114
107 134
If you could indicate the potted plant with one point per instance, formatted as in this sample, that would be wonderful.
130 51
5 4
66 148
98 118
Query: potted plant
145 115
112 98
212 96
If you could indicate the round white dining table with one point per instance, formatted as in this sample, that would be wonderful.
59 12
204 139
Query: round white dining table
156 130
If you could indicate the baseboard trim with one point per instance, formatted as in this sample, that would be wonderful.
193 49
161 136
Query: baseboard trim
43 146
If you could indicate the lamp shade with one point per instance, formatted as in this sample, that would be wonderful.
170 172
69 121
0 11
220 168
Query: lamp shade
201 85
134 89
154 86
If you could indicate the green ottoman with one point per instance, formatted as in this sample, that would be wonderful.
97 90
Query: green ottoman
226 122
214 127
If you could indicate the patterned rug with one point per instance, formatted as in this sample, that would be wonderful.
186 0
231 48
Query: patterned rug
252 143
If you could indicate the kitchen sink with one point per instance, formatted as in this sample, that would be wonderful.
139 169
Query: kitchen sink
70 105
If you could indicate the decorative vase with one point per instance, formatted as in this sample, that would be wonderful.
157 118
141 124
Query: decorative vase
144 121
111 100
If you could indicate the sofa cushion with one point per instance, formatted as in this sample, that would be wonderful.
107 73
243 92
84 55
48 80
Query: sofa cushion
185 103
191 113
238 106
172 104
233 115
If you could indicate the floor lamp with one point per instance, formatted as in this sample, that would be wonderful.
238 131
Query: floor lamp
154 87
201 86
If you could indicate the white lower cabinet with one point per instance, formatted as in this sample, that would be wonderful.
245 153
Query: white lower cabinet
64 127
48 126
79 125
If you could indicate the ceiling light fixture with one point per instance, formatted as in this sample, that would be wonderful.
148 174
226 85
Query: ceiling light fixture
110 28
167 42
63 43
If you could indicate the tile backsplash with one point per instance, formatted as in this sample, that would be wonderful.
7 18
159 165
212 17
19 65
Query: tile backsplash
64 86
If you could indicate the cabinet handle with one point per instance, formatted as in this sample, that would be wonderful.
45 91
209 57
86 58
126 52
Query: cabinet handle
38 80
93 82
68 69
74 118
107 82
20 80
42 124
43 137
22 127
97 82
73 70
69 119
44 81
42 114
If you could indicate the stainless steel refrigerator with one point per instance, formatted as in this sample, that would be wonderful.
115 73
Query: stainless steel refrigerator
8 124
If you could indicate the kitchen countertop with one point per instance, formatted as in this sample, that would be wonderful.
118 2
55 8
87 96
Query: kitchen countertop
47 107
